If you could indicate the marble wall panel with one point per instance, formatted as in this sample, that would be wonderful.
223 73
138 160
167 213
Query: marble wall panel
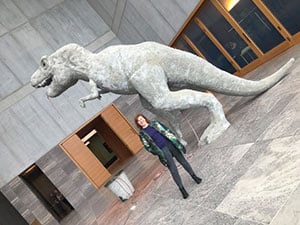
154 18
105 15
65 25
18 160
141 25
39 122
3 30
135 21
188 6
19 138
10 161
74 94
51 30
172 12
10 15
30 8
109 6
118 15
16 58
128 34
62 110
78 26
22 42
72 25
102 42
49 4
70 22
90 17
32 42
9 83
82 89
114 41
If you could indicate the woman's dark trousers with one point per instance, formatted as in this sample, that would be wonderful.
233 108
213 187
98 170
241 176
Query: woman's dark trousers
170 151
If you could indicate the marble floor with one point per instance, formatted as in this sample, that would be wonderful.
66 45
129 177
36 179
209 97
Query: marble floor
251 174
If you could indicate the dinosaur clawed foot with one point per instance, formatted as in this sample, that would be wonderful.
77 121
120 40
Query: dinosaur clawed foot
213 131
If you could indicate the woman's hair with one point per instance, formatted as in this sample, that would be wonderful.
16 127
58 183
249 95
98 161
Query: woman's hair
136 120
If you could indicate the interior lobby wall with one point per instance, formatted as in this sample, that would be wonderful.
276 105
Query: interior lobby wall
134 21
31 126
30 123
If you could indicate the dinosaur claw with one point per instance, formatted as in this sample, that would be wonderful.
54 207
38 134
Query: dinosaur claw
81 103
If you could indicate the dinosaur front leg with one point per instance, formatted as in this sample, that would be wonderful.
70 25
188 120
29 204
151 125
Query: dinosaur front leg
95 93
150 82
173 122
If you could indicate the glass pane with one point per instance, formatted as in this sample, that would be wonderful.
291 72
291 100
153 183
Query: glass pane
207 48
287 12
256 25
226 35
101 150
182 45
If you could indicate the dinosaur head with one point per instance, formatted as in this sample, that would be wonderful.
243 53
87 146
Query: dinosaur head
58 71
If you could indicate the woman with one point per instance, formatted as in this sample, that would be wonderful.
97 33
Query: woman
161 141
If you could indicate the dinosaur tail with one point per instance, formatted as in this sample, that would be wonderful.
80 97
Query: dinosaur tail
236 86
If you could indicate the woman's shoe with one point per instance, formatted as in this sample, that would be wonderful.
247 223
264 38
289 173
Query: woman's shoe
184 193
198 180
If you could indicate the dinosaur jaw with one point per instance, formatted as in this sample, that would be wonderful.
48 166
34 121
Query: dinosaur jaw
37 82
44 83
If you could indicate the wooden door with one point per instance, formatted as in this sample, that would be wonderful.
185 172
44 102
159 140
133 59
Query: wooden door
85 160
122 128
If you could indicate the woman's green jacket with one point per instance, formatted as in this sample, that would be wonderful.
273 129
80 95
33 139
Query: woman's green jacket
150 146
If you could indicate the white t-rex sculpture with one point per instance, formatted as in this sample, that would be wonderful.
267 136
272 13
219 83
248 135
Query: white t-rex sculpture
166 79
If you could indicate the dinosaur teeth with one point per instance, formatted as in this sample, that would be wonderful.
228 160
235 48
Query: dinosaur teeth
45 82
48 81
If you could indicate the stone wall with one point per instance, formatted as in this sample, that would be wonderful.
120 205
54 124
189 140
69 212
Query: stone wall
31 126
87 201
30 123
134 21
68 179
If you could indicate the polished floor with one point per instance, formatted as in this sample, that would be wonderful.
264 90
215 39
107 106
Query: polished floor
250 174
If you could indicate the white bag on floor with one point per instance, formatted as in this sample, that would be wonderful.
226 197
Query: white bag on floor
121 186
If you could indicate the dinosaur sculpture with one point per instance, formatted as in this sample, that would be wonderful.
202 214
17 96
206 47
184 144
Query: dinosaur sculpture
166 79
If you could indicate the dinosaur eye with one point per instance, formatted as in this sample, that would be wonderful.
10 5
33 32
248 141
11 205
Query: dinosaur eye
44 63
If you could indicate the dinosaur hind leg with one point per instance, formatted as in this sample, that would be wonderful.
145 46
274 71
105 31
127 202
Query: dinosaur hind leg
173 122
150 82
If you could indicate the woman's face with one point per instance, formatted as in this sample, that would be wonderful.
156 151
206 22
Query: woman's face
142 122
